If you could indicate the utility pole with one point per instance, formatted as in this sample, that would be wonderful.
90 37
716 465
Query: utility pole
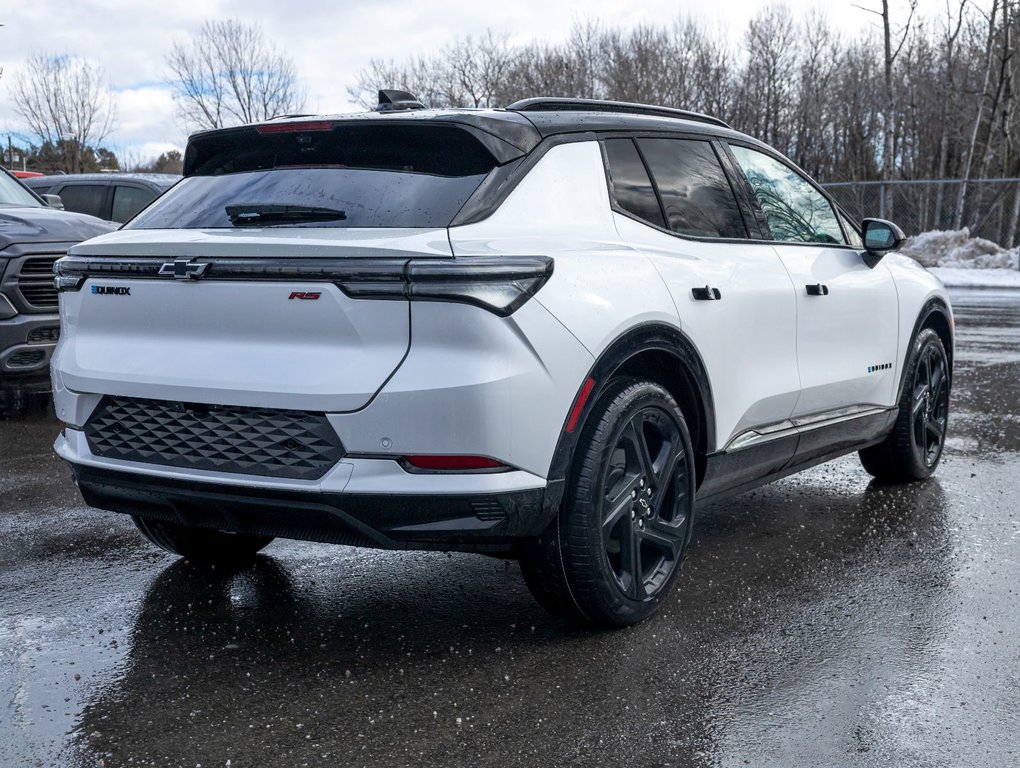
10 152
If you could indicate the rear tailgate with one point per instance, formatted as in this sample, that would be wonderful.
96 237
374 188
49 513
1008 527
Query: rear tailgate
288 343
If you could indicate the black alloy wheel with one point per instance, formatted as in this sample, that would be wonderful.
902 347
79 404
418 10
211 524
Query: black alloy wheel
930 407
645 492
617 546
914 448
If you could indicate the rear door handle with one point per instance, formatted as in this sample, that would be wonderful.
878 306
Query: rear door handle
817 290
706 294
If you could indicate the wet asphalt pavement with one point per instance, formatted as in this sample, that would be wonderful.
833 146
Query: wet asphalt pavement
821 621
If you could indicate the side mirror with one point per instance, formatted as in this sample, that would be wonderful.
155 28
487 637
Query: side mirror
53 201
881 236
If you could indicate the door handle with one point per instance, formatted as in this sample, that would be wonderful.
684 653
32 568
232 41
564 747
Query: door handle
817 290
706 294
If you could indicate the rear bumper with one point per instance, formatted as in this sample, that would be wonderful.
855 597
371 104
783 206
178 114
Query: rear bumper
467 522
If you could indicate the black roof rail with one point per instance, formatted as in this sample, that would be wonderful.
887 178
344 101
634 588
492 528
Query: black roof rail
550 104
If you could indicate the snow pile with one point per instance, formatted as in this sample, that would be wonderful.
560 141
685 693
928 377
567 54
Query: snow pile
962 261
957 250
958 277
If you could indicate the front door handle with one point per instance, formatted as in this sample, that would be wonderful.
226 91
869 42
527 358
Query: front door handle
817 290
706 294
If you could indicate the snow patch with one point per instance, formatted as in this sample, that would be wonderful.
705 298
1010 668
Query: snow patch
962 261
956 249
963 277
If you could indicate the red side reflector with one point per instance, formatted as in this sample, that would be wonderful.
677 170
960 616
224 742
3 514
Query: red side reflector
304 127
454 462
582 398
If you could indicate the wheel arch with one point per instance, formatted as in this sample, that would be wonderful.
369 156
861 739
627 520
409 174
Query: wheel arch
660 353
934 314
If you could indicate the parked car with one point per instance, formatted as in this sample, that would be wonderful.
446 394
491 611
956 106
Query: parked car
32 237
26 174
543 332
111 196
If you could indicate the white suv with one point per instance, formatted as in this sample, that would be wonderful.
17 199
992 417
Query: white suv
541 331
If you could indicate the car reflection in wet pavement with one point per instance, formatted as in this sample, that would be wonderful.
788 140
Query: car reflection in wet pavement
823 620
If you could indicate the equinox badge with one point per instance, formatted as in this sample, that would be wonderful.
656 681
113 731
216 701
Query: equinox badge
111 290
183 269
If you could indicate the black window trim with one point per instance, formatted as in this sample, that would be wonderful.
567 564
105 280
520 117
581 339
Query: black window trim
651 181
759 213
690 136
846 220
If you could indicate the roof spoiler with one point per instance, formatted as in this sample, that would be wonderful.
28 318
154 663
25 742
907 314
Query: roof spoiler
396 101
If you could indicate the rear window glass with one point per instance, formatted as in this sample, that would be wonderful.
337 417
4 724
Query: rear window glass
375 175
695 193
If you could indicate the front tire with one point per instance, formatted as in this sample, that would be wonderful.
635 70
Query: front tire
202 545
913 449
616 548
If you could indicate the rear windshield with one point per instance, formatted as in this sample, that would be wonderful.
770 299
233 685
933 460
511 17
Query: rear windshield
368 175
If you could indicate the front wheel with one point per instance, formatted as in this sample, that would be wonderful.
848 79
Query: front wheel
203 545
617 546
913 449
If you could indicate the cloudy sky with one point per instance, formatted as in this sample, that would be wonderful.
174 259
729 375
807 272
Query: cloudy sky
328 39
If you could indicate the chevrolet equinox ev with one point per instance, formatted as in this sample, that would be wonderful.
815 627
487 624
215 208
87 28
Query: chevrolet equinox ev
544 332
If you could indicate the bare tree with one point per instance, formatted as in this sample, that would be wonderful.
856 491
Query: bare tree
980 117
65 103
228 75
892 52
414 75
767 82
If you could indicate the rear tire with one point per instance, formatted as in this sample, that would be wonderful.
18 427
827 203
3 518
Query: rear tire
913 449
617 546
202 545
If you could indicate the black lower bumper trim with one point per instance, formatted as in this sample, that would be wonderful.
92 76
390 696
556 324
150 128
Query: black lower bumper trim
474 523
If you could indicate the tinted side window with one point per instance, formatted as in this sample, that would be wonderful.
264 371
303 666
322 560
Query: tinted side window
84 198
127 201
695 192
796 212
632 188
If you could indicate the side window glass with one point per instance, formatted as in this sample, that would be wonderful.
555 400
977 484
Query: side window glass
84 198
695 193
631 186
796 212
852 232
127 201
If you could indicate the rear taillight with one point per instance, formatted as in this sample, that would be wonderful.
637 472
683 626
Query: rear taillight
455 463
499 284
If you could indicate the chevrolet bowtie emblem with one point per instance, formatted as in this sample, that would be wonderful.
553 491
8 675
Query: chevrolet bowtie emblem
183 269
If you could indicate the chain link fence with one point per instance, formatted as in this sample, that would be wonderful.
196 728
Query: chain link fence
990 208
